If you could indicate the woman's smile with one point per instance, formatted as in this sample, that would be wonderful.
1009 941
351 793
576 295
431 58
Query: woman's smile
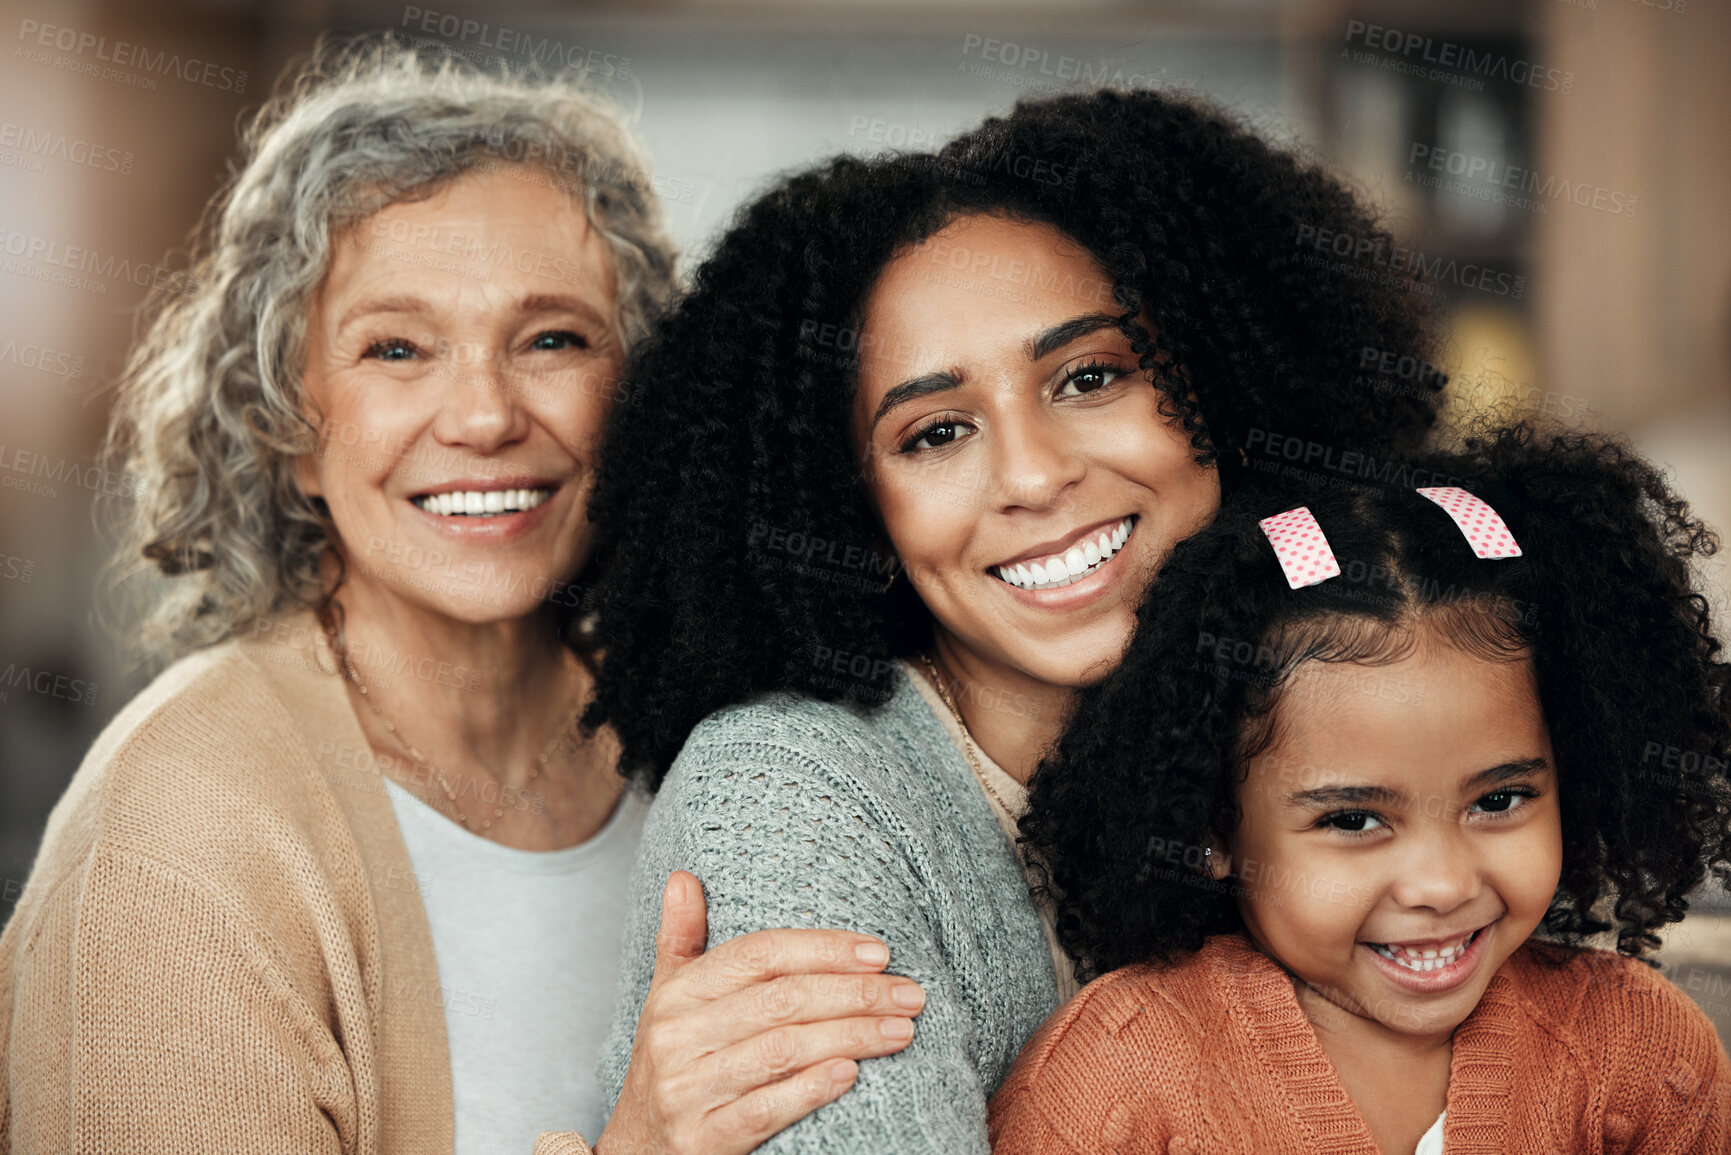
500 510
1068 563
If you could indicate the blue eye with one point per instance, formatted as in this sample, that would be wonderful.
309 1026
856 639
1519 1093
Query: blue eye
558 340
391 349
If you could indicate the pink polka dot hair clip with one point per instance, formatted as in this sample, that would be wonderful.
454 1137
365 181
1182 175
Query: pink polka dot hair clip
1484 529
1302 549
1306 559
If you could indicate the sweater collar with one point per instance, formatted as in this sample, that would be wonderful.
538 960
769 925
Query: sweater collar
1480 1069
414 1064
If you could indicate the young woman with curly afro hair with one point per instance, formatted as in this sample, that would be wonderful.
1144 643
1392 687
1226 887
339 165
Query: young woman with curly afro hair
884 492
1343 846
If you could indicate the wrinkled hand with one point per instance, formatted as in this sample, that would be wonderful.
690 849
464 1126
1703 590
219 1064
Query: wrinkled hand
737 1043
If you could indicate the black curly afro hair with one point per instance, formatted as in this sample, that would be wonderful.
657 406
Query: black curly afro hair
738 428
1627 668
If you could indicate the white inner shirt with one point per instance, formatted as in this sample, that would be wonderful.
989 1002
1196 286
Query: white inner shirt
1431 1143
527 944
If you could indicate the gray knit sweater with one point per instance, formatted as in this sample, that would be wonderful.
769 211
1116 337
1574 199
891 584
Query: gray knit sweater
799 813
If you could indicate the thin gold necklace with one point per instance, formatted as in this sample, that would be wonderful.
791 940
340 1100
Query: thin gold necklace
396 732
967 735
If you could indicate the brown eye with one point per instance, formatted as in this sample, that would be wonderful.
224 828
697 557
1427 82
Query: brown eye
1091 377
1350 821
1500 802
936 435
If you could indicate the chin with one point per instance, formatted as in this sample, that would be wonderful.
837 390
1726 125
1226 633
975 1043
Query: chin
513 596
1063 670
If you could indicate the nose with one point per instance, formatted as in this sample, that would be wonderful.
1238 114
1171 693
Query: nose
1035 464
479 408
1440 871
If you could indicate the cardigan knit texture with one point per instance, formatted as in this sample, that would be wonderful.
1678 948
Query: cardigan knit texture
800 813
1214 1054
222 946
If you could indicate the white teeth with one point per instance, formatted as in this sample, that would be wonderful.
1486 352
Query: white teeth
1078 561
482 503
1427 959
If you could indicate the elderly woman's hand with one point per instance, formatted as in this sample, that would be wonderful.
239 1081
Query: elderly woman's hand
737 1043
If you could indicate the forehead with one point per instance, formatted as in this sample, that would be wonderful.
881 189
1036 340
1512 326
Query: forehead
981 280
511 231
1431 717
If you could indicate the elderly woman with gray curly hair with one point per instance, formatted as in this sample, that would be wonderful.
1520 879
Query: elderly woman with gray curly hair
348 876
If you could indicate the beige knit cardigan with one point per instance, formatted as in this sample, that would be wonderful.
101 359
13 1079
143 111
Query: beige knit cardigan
221 947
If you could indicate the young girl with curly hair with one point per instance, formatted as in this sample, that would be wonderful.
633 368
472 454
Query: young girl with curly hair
1375 769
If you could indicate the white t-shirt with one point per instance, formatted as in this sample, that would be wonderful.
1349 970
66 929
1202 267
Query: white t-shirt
527 944
1429 1144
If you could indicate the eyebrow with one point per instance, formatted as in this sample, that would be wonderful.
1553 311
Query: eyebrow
1064 332
917 387
554 303
1040 345
1358 795
394 303
533 303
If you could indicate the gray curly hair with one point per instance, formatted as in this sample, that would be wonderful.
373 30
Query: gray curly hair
210 413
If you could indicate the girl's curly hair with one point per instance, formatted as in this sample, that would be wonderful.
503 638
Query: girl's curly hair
739 435
1629 681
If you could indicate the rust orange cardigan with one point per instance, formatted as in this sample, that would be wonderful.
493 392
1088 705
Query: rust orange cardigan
1214 1054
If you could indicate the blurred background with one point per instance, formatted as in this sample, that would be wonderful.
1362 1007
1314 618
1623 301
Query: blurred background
1561 169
